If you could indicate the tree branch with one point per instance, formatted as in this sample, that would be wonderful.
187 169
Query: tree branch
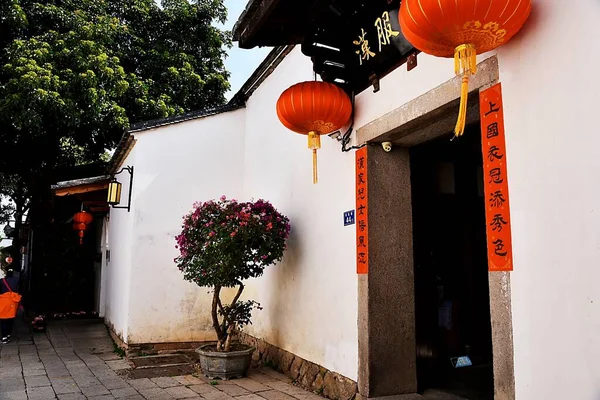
239 293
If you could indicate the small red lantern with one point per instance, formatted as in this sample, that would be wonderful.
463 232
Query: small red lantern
8 260
83 217
314 109
80 223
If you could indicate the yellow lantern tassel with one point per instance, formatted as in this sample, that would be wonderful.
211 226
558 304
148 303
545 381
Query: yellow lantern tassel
465 64
314 143
315 174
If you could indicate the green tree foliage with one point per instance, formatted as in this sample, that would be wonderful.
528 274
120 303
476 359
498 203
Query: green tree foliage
81 71
74 74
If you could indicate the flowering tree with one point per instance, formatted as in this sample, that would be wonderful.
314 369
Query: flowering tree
225 242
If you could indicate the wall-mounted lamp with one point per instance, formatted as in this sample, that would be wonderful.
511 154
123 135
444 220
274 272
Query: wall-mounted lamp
114 189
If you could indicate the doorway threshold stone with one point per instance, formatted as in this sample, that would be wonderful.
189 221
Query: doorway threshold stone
412 396
433 394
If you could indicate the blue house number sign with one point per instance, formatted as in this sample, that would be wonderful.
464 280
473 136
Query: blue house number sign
349 218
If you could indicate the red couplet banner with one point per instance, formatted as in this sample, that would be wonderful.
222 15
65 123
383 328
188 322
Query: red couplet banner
497 209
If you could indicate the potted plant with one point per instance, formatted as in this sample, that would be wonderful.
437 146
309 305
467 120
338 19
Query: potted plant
223 243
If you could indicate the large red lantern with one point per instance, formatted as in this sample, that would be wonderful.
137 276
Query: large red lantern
80 222
314 109
461 29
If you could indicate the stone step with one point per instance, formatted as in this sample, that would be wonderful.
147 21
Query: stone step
157 372
162 360
156 366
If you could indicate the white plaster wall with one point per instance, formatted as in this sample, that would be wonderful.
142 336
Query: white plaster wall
118 270
310 299
176 166
550 85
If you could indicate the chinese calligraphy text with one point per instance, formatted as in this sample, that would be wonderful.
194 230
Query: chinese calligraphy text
497 210
385 34
384 29
364 50
362 207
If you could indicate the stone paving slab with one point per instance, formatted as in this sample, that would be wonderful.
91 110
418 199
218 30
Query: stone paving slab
233 390
74 360
13 395
251 385
181 392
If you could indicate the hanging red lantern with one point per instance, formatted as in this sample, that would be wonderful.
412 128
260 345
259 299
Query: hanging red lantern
8 260
461 29
80 223
83 217
80 227
314 109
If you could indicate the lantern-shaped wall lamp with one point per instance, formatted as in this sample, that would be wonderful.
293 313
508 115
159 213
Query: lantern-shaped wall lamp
114 190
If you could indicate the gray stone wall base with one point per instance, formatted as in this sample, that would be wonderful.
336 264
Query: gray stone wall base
306 374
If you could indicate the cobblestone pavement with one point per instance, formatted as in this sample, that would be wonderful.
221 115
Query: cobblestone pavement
75 360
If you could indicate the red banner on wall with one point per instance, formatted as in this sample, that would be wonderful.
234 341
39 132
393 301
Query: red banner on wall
362 207
497 209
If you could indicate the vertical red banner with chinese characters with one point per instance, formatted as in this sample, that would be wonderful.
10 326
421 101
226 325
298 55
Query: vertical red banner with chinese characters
362 207
497 209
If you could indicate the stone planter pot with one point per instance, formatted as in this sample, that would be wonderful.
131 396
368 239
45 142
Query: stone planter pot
234 364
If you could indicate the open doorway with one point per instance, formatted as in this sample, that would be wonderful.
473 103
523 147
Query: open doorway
452 305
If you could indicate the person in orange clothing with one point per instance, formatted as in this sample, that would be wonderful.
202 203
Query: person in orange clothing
8 290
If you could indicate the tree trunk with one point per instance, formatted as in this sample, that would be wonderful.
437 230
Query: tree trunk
215 317
229 336
19 210
227 327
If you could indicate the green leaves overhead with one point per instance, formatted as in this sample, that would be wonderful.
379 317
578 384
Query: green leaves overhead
82 71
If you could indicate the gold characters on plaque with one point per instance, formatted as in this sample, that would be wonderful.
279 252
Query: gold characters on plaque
385 33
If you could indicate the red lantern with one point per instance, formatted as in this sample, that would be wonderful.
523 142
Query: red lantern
461 29
80 227
8 260
83 217
314 109
80 223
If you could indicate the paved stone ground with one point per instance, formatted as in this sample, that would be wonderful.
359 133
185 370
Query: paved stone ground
75 360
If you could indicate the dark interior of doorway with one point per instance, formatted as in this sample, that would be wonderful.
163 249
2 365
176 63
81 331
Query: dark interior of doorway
62 271
451 273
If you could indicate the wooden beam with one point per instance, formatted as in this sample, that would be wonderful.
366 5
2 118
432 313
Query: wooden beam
94 202
92 187
99 210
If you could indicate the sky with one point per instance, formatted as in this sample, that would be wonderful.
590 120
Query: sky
241 63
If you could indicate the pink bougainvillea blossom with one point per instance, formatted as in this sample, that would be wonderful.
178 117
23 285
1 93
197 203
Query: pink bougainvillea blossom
212 230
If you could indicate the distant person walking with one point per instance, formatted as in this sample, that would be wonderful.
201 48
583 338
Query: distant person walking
9 303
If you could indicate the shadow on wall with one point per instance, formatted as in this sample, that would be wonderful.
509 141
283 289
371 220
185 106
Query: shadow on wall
282 274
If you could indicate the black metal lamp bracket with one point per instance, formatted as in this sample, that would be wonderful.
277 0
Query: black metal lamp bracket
129 169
